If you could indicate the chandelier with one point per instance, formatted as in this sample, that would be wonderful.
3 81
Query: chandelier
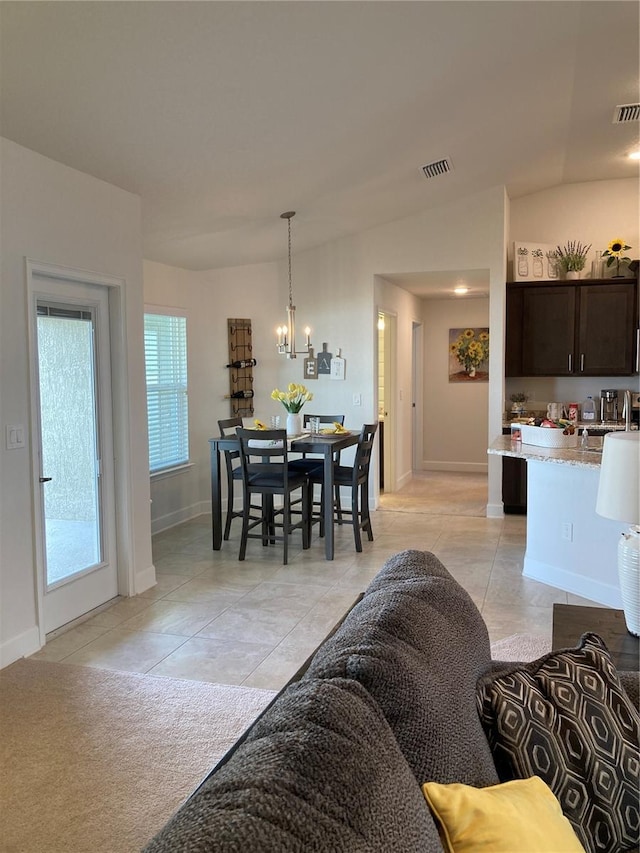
287 334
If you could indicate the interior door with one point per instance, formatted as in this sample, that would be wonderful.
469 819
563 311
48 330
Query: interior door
386 398
76 520
417 380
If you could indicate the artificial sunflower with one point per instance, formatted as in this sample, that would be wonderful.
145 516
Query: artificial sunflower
614 251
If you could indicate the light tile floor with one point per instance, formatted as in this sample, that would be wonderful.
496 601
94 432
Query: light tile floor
212 618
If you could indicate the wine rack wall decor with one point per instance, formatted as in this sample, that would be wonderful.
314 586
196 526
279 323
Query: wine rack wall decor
241 364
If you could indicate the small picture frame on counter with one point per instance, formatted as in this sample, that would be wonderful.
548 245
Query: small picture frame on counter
516 432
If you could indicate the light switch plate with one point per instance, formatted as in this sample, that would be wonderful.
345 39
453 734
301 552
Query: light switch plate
14 436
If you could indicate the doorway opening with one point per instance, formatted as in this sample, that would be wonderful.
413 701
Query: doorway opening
386 350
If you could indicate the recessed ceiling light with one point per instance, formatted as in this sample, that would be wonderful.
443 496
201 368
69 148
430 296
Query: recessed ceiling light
461 289
635 155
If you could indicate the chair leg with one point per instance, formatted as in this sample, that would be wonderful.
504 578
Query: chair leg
307 503
245 526
364 504
286 527
268 521
355 518
321 532
338 504
227 525
307 499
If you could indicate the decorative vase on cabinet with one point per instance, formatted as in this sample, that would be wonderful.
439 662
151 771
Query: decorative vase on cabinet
572 275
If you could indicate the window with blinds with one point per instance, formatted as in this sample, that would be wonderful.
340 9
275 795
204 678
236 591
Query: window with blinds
165 351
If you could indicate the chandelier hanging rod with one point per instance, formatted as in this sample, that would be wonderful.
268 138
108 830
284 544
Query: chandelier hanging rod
287 334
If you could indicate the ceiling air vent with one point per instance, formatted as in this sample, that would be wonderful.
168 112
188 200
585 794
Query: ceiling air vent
439 167
626 112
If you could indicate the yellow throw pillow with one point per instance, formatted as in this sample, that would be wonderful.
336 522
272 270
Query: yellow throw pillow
521 815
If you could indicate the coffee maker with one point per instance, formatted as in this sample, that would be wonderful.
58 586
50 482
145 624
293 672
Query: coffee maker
609 405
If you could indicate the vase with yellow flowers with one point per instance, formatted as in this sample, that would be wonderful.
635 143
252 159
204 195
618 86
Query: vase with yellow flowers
614 255
293 399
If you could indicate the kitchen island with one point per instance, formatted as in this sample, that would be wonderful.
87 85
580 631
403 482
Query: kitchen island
568 545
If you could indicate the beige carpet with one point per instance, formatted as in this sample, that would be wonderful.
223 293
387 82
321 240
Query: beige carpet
94 761
520 647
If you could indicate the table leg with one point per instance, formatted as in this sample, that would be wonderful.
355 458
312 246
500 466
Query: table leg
216 499
328 503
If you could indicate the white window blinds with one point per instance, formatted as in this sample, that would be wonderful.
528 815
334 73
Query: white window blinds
165 350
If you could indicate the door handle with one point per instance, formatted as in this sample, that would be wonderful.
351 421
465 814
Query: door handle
46 479
570 363
581 362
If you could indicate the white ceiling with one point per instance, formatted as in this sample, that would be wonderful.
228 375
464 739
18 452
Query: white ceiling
222 115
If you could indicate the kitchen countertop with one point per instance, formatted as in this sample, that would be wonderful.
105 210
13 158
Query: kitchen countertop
609 426
576 456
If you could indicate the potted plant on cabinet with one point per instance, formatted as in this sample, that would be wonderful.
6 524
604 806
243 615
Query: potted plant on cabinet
572 257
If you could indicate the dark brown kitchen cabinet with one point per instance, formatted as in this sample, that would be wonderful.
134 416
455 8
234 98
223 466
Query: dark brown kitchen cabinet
566 329
607 329
514 483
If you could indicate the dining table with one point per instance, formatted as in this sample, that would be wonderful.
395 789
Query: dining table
325 445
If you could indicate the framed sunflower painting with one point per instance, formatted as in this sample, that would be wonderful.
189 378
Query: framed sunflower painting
469 354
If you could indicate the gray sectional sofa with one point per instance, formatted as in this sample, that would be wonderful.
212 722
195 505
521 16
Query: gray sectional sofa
336 763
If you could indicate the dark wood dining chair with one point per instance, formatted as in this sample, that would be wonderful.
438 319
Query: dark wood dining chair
266 473
356 478
309 461
227 427
312 463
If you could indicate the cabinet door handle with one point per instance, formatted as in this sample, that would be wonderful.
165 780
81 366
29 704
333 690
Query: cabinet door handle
637 350
581 362
570 363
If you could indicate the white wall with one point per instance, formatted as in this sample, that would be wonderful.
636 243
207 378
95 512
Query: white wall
56 215
455 413
595 212
209 299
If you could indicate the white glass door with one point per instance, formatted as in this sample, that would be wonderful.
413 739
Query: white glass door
75 479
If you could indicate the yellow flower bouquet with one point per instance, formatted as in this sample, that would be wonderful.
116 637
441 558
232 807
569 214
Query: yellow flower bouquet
294 398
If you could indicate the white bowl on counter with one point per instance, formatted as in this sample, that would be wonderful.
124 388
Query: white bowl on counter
548 437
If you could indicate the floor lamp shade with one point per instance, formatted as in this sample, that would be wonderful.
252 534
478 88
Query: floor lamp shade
619 499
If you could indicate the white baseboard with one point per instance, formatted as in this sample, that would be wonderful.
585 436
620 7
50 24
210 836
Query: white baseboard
27 643
495 510
171 519
591 589
145 579
458 467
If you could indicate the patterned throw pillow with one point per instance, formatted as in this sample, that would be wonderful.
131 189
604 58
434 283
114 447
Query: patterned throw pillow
567 719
